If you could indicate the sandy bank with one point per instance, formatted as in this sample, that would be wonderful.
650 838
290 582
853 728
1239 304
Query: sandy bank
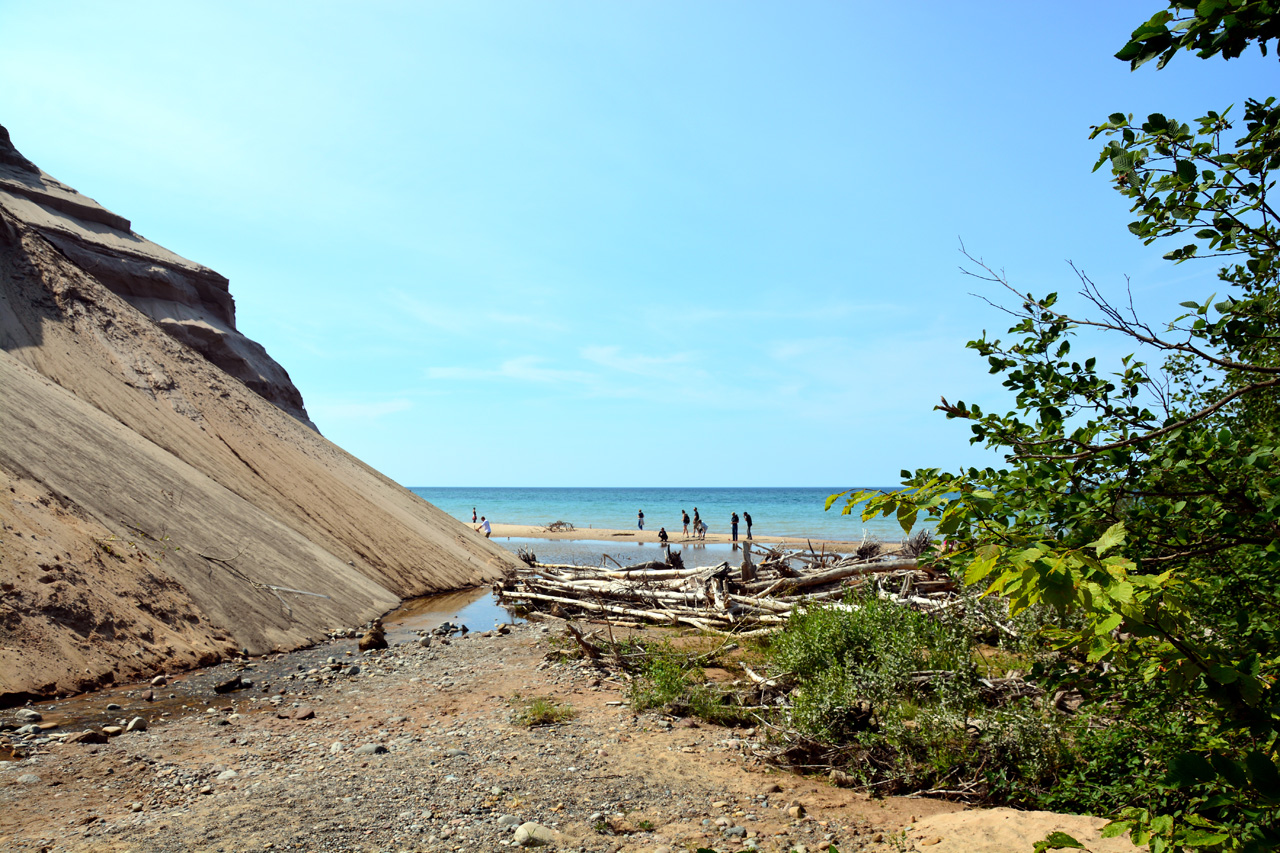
600 534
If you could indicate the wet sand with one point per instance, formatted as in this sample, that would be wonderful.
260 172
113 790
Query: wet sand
600 534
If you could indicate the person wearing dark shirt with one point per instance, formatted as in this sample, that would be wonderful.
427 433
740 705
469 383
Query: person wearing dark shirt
746 516
733 522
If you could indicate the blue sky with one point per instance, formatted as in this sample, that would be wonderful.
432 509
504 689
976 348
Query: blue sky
615 244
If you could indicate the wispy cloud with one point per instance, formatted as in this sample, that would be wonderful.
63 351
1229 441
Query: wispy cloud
349 410
467 319
526 368
656 366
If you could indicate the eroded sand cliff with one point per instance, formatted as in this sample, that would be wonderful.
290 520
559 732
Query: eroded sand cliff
166 500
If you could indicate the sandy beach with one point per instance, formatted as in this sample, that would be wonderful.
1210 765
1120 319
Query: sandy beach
600 534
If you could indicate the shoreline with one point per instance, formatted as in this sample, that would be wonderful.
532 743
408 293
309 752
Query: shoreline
603 534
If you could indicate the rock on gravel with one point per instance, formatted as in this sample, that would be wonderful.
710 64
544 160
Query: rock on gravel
532 834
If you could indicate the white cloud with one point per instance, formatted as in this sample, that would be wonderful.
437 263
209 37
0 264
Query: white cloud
347 410
525 368
659 366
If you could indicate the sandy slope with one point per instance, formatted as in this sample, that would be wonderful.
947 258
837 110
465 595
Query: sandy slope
135 464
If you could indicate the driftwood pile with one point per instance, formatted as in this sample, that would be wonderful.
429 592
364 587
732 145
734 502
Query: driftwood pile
758 595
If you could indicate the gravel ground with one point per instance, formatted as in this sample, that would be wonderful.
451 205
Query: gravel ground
413 749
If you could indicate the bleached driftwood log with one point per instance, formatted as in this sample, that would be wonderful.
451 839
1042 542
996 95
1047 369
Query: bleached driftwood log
715 598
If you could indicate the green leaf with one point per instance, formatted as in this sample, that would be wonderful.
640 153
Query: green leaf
1202 838
1057 841
906 517
1106 626
1113 537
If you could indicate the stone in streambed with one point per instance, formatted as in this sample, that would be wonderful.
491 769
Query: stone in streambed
229 685
374 638
87 736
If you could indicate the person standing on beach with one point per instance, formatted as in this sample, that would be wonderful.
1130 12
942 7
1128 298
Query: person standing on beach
484 525
733 522
473 515
684 517
697 522
746 516
641 514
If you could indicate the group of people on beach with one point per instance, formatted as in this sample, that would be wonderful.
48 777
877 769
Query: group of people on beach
699 526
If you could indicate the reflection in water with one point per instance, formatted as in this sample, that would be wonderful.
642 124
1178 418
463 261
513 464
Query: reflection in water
474 608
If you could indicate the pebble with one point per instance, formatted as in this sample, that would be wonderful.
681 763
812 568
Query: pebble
137 724
28 779
27 715
113 706
371 749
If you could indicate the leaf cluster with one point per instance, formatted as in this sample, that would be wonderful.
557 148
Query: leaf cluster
1208 27
1140 501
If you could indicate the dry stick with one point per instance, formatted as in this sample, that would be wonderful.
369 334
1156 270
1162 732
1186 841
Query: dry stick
725 648
650 615
589 649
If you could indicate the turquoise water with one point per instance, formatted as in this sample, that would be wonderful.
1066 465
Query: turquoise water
790 512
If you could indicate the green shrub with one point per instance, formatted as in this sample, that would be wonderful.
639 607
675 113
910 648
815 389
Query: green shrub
662 674
539 711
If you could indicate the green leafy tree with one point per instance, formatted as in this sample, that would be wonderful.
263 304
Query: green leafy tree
1142 502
